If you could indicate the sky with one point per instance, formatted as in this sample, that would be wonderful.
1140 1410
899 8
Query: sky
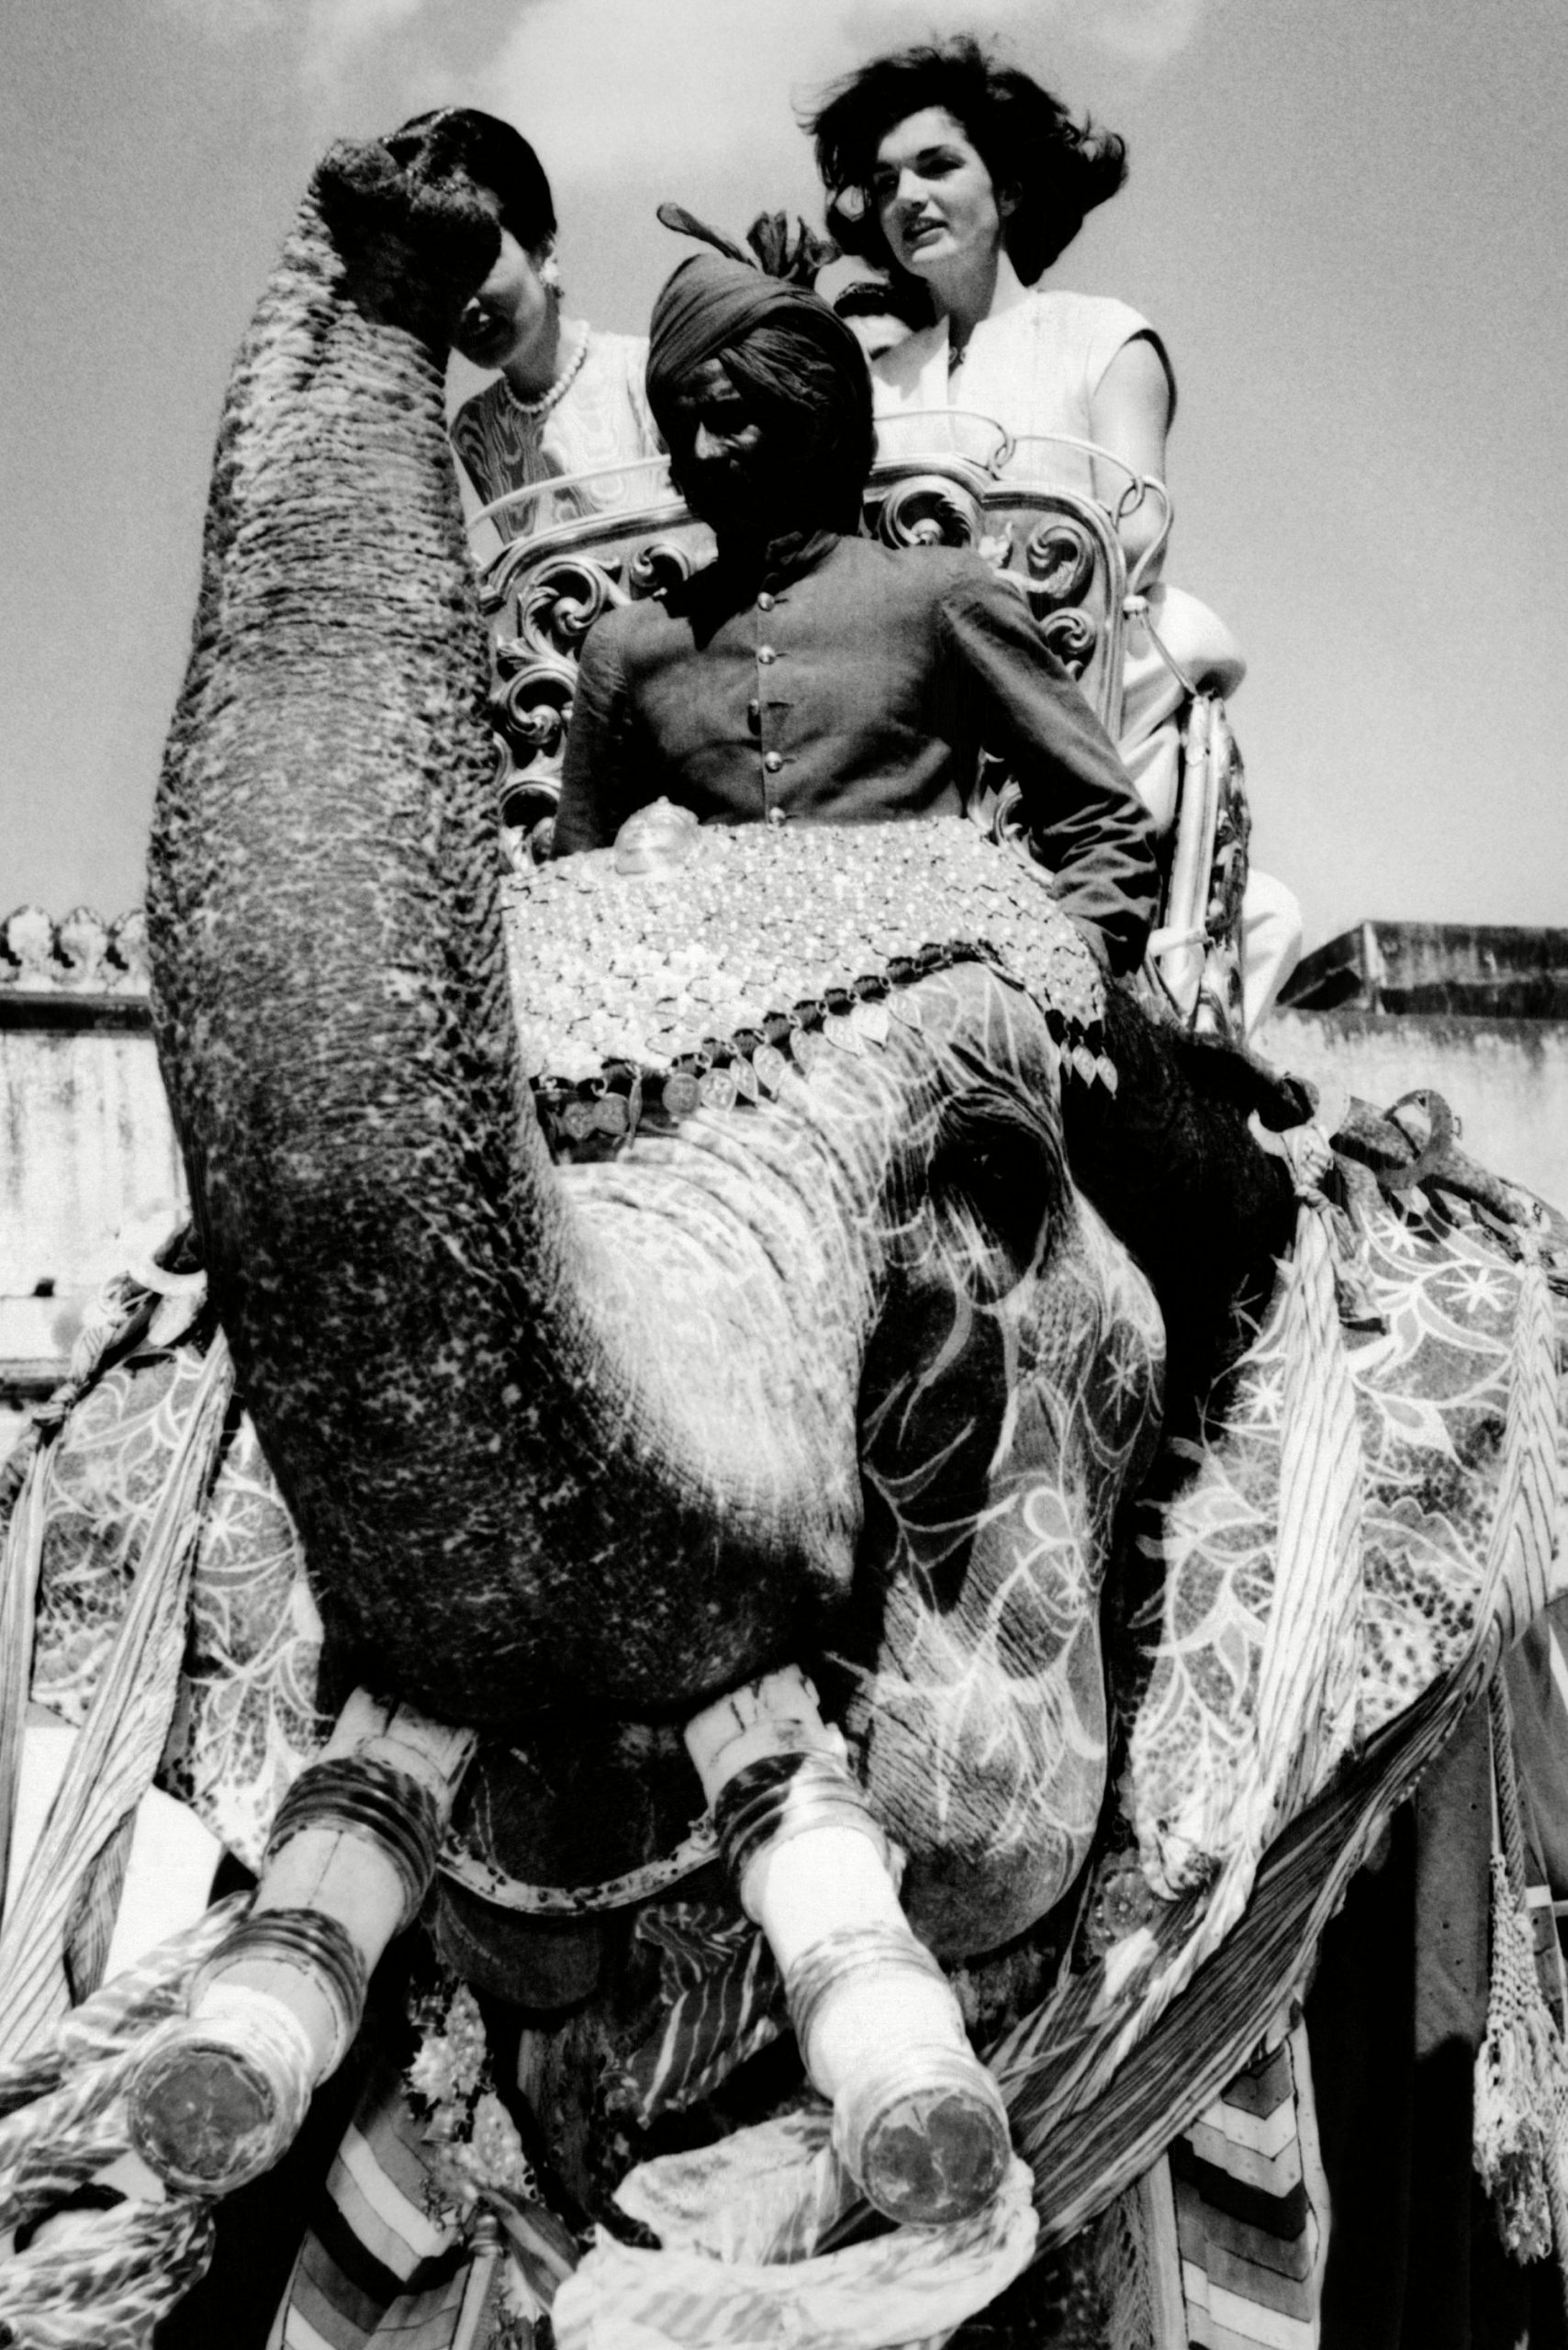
1349 218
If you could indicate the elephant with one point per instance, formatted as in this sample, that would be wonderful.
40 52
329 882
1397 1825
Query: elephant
637 1280
560 1379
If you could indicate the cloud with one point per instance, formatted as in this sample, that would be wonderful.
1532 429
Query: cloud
680 93
220 20
1149 33
646 85
337 32
626 83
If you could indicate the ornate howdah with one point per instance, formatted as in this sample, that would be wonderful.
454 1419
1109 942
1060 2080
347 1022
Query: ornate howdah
543 593
598 540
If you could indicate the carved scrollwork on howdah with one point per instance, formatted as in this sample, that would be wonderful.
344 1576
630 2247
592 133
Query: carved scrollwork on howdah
559 603
1220 1008
531 704
1059 560
541 601
659 564
530 708
1072 635
1053 559
1059 571
928 511
1233 832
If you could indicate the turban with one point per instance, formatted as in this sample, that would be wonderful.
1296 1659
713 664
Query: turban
711 302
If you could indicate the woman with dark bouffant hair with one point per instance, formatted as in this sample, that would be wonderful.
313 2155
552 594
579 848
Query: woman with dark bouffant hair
1054 170
567 399
964 181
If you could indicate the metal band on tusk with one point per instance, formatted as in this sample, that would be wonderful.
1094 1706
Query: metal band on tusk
852 1951
361 1796
917 2118
310 1942
781 1795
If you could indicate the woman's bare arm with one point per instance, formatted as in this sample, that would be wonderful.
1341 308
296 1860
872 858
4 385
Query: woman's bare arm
1130 415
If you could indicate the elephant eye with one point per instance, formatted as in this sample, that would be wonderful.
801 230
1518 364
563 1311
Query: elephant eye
997 1160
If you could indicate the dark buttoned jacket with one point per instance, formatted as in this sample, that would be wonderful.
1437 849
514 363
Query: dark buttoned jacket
843 682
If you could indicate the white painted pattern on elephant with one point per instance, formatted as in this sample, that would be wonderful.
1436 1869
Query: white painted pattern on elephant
105 1477
983 1718
246 1718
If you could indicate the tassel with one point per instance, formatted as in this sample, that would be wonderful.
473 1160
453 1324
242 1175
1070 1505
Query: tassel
1521 2069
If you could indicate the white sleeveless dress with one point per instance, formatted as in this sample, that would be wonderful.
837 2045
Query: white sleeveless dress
1031 371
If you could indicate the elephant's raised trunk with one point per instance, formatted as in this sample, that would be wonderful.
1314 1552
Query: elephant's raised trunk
479 1462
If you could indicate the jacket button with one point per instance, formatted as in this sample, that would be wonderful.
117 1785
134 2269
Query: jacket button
764 653
773 762
765 602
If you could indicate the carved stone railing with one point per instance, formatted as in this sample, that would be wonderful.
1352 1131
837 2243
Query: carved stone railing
542 594
78 972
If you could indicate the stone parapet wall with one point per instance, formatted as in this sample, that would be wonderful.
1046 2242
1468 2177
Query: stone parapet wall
1484 970
87 1149
88 1166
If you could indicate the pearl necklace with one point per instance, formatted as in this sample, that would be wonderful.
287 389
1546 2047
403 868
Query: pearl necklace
534 411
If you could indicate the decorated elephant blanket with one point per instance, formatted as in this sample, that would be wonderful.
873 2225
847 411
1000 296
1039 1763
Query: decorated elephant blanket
1430 1440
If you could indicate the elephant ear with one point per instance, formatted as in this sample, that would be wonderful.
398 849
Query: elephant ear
998 1161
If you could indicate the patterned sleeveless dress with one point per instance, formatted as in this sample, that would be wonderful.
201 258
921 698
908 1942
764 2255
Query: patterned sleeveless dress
601 419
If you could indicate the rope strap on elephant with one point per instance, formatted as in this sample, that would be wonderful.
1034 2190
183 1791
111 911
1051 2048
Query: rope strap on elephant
96 2278
103 2282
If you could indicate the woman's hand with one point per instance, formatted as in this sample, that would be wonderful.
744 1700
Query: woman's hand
1129 414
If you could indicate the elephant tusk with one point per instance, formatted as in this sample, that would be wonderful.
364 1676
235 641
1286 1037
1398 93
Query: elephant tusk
917 2120
221 2093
